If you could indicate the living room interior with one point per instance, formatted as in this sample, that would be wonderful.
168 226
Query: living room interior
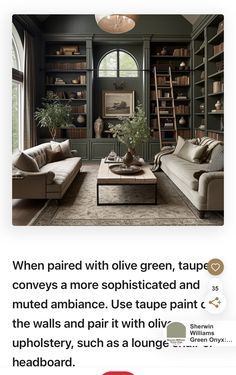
118 120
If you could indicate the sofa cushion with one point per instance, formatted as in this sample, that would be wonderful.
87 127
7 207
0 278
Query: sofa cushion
191 152
183 169
55 155
64 171
65 147
25 163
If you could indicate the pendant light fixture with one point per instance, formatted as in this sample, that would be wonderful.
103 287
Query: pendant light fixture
116 23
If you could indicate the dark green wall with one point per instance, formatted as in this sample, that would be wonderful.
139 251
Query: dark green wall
148 24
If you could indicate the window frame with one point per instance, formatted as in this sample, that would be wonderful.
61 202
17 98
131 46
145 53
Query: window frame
17 78
118 70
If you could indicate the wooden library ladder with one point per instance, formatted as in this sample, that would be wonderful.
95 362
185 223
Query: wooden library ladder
165 108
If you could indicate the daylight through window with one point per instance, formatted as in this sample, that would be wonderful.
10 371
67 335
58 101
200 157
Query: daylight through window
118 63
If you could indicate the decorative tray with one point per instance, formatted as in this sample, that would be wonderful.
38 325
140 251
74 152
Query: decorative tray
117 159
121 169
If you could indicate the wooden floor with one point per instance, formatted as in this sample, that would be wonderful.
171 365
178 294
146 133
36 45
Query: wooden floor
23 210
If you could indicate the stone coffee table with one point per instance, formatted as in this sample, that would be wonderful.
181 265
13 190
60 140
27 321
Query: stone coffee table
106 177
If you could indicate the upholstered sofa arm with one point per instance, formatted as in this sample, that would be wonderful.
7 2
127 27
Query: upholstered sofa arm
47 177
31 184
211 186
74 153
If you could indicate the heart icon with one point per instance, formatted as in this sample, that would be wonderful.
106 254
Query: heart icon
215 267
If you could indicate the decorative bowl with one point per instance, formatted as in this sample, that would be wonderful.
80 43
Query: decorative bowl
122 169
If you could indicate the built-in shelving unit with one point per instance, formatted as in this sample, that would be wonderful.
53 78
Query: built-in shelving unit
208 79
175 55
66 76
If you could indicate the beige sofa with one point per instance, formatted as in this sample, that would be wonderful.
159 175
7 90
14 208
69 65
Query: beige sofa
205 190
44 171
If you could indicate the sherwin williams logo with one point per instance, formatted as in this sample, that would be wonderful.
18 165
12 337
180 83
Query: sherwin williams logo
118 373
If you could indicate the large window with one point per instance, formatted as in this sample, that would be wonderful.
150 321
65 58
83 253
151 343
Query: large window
17 87
118 63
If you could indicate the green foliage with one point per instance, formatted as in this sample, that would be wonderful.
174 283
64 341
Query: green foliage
53 114
132 131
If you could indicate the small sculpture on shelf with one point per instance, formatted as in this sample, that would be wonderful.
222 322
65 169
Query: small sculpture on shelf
202 125
202 107
163 51
218 105
182 65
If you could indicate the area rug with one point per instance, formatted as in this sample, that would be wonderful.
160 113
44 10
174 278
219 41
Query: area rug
79 205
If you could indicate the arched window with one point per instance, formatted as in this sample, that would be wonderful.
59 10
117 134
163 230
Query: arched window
17 87
118 63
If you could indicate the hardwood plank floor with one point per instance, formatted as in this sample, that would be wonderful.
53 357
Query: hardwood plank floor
23 210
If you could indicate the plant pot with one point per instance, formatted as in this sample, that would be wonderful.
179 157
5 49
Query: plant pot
127 159
136 158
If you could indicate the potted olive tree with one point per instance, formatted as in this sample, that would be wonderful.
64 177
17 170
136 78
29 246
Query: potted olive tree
53 114
132 131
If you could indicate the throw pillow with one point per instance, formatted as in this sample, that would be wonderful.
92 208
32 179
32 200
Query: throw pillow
55 155
65 146
211 144
191 152
26 163
216 161
180 143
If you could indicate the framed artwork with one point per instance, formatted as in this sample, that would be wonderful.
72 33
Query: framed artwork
118 104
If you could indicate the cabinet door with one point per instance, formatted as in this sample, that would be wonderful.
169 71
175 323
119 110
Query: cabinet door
100 148
82 146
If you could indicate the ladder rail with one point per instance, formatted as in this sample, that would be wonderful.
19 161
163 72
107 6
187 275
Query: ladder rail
169 87
158 109
173 104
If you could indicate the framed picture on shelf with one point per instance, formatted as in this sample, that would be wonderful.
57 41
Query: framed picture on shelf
118 103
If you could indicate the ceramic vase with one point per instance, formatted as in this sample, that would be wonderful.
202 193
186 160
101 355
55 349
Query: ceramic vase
218 105
98 127
182 121
81 119
127 159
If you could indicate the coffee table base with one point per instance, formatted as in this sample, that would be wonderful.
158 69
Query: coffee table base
125 204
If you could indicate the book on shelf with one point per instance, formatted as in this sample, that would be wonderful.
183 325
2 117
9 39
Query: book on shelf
82 79
182 109
66 66
183 80
162 112
168 125
218 48
181 52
